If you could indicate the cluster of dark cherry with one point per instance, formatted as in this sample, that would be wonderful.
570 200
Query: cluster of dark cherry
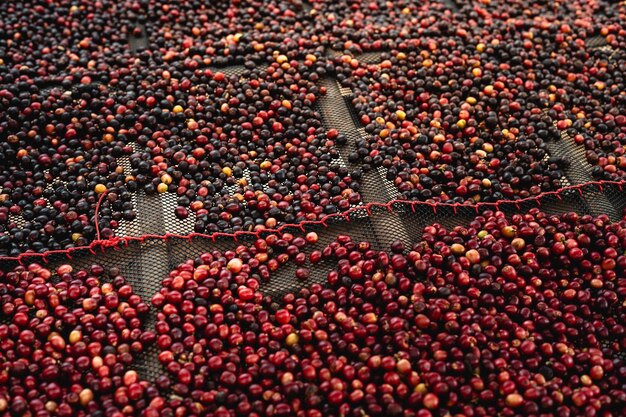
462 106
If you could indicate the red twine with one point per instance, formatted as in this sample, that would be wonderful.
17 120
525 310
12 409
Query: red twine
115 242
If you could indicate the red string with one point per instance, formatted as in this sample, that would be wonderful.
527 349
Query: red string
95 216
115 242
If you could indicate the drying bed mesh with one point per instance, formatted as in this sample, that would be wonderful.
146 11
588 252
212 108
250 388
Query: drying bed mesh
155 213
378 223
146 261
146 249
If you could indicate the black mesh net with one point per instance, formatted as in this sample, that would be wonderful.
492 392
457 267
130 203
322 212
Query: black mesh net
156 213
164 241
145 262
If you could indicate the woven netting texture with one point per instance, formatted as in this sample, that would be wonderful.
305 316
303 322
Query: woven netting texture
312 208
180 123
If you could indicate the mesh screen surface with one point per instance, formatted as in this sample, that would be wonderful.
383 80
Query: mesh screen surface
147 261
